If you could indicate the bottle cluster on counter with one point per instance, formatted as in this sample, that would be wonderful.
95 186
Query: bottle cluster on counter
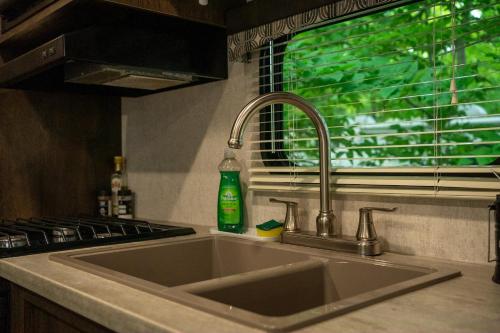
119 202
125 203
104 203
116 183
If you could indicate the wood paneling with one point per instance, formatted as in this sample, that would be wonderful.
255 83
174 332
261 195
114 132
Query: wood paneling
55 151
33 313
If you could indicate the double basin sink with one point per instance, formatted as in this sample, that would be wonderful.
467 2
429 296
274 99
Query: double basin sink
271 286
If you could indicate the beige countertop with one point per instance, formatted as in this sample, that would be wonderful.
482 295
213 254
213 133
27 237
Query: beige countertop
470 303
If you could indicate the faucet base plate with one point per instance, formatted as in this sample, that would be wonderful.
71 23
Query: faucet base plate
335 243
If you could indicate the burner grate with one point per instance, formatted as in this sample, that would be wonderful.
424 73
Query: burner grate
13 238
44 234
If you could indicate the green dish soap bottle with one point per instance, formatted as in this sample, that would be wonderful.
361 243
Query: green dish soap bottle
230 203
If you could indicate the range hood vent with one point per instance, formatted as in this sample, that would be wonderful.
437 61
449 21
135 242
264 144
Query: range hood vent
145 82
124 77
122 60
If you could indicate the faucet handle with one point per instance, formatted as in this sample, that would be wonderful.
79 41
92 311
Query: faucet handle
292 216
283 201
366 229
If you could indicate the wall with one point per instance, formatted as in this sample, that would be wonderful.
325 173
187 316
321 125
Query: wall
56 150
175 140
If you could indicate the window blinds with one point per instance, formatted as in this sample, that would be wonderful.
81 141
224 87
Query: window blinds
410 96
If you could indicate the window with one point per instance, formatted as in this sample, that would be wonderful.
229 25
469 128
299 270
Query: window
410 95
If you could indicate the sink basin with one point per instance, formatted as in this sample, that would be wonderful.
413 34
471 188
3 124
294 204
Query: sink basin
316 284
177 263
272 286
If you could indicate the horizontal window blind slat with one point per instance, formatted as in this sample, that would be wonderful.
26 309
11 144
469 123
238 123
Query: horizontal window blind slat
414 122
303 81
342 149
347 137
402 170
370 180
342 114
475 195
400 51
419 85
430 94
438 106
388 158
308 87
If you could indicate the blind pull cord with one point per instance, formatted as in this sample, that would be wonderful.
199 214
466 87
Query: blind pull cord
453 84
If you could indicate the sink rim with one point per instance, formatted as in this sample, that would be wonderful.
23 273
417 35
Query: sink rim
314 252
183 293
311 315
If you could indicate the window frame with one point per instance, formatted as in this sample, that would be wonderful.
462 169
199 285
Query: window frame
281 158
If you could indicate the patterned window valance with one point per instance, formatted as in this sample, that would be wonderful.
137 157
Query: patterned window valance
241 43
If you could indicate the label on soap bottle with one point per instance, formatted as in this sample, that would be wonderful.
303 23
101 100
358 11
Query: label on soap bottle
230 205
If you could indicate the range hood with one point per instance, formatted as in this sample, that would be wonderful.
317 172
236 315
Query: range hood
121 60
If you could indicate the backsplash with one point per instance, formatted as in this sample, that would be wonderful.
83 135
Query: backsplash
174 141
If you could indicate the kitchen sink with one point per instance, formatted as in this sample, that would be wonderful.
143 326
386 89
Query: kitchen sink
177 263
272 286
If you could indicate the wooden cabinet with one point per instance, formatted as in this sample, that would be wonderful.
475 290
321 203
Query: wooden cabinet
57 151
4 306
31 313
62 16
212 13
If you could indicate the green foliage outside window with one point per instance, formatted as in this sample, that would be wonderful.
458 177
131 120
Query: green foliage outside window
377 77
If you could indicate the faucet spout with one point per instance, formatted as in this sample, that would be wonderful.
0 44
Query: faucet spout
325 219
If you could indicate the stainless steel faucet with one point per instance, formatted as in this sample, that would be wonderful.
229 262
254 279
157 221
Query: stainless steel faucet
365 242
325 220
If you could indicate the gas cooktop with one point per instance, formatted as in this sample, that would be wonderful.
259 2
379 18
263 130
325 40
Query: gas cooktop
46 234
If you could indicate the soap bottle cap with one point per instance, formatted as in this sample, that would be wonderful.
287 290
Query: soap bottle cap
229 153
119 160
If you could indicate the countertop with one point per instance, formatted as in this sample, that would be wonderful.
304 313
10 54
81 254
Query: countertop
470 303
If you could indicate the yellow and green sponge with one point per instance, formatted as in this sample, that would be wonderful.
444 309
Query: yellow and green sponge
270 228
